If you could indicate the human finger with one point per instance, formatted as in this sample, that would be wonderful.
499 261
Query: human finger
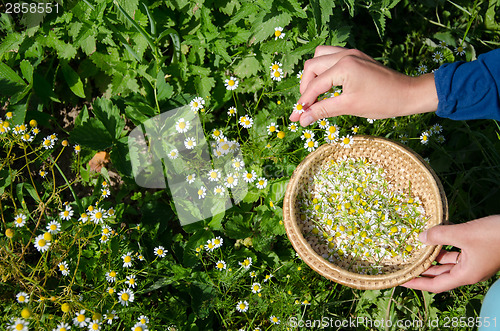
445 257
437 270
456 235
441 283
322 109
326 50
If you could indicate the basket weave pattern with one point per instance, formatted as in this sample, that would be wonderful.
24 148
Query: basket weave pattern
403 168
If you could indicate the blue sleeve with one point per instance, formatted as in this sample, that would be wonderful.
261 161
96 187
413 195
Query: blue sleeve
470 90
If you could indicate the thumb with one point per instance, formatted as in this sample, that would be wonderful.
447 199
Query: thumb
445 235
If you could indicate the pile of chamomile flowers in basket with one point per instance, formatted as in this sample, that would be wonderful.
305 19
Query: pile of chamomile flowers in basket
353 216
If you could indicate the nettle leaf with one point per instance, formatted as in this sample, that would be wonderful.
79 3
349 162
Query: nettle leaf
245 11
10 82
164 89
322 10
221 48
293 7
263 26
109 115
92 134
247 67
204 85
64 51
27 70
73 80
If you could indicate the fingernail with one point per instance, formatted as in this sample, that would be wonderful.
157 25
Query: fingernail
423 237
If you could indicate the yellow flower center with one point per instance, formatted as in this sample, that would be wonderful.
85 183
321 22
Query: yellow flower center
277 73
160 251
299 107
216 133
220 265
231 82
127 259
307 135
195 104
230 180
125 296
346 141
80 318
98 215
272 128
112 274
261 182
42 243
47 236
111 291
66 213
277 33
200 192
310 144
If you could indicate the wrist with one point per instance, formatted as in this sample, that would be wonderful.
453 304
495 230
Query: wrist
422 95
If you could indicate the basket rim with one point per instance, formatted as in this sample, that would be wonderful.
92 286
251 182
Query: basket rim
336 273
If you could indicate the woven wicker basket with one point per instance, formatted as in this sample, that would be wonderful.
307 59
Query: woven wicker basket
402 166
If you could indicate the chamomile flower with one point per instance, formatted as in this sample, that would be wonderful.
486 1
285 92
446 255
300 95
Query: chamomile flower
20 220
355 129
182 125
310 145
190 143
127 260
202 192
94 325
131 281
246 263
197 104
81 320
246 121
214 175
238 163
219 190
274 320
110 316
293 127
125 296
41 244
277 75
242 306
298 108
67 213
54 227
22 297
424 137
47 143
323 123
299 75
231 111
271 128
63 268
111 276
217 134
261 183
231 83
278 33
220 265
84 217
275 66
307 134
173 154
249 176
440 139
62 327
160 251
256 288
140 327
98 216
442 44
77 149
42 173
9 115
191 178
267 278
346 141
231 180
105 192
422 69
437 57
18 324
436 128
143 319
459 50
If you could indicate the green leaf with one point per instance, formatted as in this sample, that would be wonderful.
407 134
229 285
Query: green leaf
164 89
238 228
43 89
204 85
278 189
10 82
27 70
109 114
73 80
247 67
152 22
197 239
5 179
137 27
263 29
120 157
93 134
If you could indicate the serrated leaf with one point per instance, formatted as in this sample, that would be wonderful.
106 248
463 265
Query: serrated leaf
27 70
109 114
245 11
247 67
220 48
204 85
64 51
73 80
92 134
10 82
263 29
43 89
293 8
120 157
164 89
278 189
